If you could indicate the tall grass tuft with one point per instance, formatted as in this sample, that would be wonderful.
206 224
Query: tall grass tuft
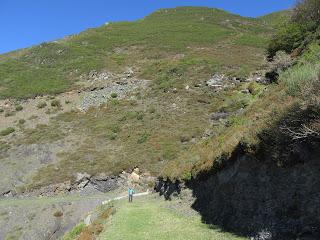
301 79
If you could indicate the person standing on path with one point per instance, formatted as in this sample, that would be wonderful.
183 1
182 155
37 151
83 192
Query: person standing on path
130 192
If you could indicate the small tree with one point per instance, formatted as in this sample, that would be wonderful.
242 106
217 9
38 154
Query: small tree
301 30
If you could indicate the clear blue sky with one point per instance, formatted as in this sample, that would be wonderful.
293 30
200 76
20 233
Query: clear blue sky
24 23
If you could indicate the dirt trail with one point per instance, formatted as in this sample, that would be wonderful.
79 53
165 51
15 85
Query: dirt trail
39 218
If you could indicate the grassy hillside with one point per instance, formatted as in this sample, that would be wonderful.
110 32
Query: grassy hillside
277 18
201 34
167 127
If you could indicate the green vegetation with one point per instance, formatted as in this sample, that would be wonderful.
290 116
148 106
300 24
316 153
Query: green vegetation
276 19
4 146
58 214
149 218
7 131
301 79
302 29
19 108
22 121
75 232
114 95
9 114
55 103
42 134
41 105
152 44
170 128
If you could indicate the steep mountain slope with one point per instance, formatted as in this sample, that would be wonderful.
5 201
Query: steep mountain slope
199 34
195 60
181 95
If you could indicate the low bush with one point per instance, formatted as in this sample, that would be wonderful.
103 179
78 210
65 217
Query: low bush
9 114
19 108
114 95
152 110
7 131
58 214
21 121
301 80
55 103
41 105
254 88
143 138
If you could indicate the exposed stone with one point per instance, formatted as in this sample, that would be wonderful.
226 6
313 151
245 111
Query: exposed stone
245 91
136 170
216 116
87 221
134 177
83 184
82 177
216 81
106 184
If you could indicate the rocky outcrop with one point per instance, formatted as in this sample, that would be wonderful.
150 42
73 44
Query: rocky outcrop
168 188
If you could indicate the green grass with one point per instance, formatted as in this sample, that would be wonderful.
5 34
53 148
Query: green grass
74 233
301 78
277 18
54 67
148 218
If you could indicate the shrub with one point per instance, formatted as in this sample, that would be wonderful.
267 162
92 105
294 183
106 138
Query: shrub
143 138
9 114
1 110
112 136
58 214
115 129
55 103
140 115
19 108
287 39
312 55
33 117
253 88
41 105
67 101
152 110
302 80
7 131
21 121
114 95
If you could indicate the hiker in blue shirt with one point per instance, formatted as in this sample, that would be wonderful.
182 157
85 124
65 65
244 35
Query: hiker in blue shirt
130 192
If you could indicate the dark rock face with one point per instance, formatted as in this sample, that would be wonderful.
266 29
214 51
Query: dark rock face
106 184
167 188
262 200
